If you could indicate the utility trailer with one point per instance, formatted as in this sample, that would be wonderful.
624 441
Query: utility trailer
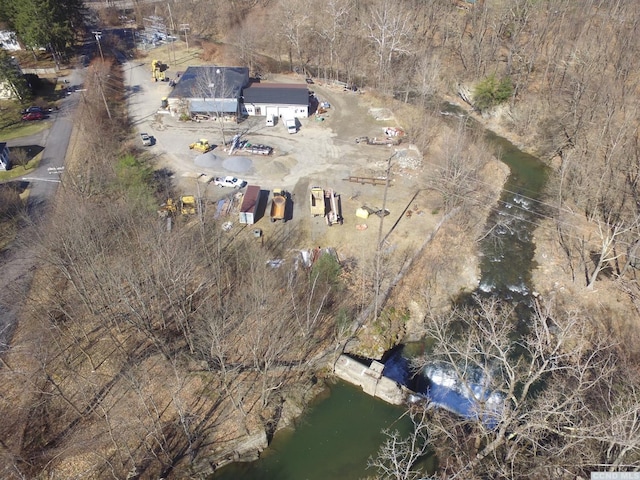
335 208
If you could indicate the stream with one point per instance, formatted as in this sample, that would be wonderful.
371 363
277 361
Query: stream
339 432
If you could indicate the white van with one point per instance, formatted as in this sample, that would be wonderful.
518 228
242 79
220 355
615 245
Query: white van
291 125
271 120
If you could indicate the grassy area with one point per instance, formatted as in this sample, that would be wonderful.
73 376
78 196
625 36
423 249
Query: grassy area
21 170
21 129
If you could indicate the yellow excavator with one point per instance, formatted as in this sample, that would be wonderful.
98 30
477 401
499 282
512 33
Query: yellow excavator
157 70
168 208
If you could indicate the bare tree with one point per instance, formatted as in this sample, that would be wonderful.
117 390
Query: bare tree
397 456
294 24
389 30
555 382
334 20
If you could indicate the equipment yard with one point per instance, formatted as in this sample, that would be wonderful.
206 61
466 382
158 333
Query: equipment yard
322 154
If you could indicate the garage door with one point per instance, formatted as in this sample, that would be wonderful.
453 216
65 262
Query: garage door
285 112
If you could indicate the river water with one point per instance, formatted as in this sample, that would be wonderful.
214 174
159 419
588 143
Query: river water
342 430
333 440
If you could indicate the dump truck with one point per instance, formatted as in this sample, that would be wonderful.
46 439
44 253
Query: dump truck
317 202
278 205
249 205
201 145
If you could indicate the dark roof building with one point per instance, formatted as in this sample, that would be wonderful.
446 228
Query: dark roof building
210 89
280 99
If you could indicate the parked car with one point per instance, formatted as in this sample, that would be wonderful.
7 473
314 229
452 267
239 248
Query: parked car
229 181
32 110
146 139
33 116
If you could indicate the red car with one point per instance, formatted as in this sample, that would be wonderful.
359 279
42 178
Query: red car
32 116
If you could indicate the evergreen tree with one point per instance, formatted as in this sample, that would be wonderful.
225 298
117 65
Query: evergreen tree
12 77
44 23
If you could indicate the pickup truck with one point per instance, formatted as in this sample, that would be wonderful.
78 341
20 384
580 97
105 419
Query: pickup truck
229 181
146 139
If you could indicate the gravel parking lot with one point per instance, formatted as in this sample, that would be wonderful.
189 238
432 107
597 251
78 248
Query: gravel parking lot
322 153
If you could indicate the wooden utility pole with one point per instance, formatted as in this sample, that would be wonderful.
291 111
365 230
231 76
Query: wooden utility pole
106 105
380 239
98 35
184 27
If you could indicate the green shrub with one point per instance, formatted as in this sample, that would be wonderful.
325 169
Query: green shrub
491 92
326 270
135 178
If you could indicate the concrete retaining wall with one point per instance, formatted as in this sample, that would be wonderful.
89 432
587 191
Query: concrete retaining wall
370 379
39 71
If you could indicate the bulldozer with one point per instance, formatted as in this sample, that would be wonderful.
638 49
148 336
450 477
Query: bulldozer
201 145
188 205
157 70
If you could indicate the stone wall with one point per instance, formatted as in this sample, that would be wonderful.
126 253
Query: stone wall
370 379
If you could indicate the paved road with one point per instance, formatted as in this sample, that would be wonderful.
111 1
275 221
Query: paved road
19 261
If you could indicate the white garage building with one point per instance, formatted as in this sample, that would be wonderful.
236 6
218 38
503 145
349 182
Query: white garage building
286 100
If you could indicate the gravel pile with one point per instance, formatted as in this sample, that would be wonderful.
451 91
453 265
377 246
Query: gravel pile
231 164
238 164
208 160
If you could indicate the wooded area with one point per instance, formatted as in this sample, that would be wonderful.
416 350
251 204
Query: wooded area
120 303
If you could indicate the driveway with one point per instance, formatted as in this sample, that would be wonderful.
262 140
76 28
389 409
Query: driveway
19 261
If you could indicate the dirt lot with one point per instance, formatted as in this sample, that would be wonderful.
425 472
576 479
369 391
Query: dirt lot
322 153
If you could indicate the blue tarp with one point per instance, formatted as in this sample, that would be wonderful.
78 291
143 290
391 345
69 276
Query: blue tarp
470 398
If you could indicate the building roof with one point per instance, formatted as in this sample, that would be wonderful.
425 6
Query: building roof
226 105
279 93
211 81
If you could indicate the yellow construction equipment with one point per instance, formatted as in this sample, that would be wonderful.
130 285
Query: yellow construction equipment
188 205
168 208
157 70
201 145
